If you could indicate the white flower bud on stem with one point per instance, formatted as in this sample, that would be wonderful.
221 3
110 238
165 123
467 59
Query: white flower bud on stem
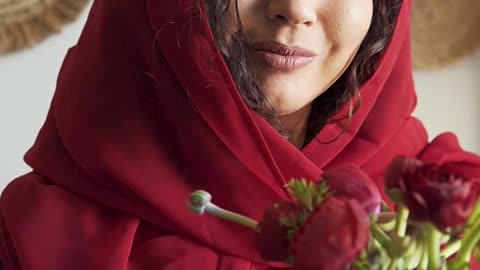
200 202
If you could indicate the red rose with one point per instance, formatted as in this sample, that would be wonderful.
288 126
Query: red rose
353 183
271 238
398 167
332 237
433 192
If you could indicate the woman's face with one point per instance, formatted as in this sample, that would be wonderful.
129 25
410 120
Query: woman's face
300 47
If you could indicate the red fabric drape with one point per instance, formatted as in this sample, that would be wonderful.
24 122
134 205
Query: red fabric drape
145 112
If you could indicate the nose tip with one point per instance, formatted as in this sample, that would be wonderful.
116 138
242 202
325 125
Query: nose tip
293 12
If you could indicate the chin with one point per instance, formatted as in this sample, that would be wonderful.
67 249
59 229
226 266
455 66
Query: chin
287 100
288 93
289 111
288 106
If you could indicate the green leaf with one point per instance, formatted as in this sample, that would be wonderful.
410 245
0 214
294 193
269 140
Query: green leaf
287 222
297 224
321 193
308 193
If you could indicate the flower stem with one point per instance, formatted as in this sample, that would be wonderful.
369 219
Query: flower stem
451 249
474 216
433 237
399 230
423 264
412 260
200 202
393 264
359 266
469 241
401 221
379 235
231 216
387 226
472 220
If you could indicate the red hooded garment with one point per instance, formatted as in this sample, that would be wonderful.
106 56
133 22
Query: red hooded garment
145 112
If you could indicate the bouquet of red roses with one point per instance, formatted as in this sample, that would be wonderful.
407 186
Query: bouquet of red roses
341 222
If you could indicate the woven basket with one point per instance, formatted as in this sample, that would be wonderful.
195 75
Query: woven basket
24 23
444 31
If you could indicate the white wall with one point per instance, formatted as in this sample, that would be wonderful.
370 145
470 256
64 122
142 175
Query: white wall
447 98
27 83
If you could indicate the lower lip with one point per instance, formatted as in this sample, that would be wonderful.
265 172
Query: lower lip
283 62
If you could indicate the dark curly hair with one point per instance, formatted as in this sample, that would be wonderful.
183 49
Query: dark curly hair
233 46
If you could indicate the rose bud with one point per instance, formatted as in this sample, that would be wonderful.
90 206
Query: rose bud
433 192
353 183
272 235
332 236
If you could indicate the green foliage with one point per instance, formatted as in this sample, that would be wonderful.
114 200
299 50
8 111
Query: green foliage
308 195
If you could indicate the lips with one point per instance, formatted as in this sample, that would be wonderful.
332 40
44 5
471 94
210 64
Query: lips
282 57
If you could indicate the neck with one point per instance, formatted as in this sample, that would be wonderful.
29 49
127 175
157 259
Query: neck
296 124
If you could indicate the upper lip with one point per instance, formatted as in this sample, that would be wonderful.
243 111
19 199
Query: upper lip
281 49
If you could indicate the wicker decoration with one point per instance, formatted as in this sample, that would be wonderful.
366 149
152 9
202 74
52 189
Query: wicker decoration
24 23
444 31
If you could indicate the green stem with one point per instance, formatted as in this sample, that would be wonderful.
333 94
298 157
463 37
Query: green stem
469 241
433 237
393 264
423 264
451 249
413 257
387 226
401 221
472 220
379 235
443 264
399 230
359 266
474 216
200 202
231 216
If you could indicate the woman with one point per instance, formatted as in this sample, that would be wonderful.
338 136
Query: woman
146 111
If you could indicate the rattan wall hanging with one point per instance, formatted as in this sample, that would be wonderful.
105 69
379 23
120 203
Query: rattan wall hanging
444 31
23 23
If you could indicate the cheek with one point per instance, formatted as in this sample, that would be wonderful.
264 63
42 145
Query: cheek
248 11
352 19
